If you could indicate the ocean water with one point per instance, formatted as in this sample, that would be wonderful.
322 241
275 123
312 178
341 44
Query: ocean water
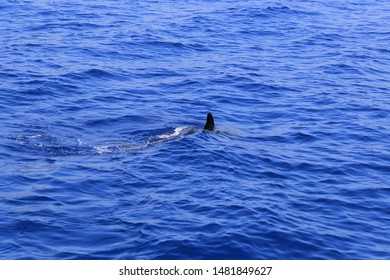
102 152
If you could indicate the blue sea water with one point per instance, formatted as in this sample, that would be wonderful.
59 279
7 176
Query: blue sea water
102 152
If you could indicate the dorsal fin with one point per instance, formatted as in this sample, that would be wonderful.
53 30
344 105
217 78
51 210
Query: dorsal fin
209 123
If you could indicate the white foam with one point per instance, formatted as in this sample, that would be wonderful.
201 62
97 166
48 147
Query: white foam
35 136
103 149
177 132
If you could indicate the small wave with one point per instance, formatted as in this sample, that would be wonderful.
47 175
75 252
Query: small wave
341 68
283 10
91 74
303 137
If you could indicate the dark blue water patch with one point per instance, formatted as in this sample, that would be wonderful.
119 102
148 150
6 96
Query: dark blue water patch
342 69
91 74
278 10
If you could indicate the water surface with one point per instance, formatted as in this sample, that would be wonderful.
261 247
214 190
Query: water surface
97 100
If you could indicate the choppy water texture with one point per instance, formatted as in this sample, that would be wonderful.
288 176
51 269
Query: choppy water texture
102 152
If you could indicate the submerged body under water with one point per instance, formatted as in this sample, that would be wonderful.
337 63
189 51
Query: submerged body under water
102 148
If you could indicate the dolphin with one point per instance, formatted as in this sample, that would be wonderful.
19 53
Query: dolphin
209 123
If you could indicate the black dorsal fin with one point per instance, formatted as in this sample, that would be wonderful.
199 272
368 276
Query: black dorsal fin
209 123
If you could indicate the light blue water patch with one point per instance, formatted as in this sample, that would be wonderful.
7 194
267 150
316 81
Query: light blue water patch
102 150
